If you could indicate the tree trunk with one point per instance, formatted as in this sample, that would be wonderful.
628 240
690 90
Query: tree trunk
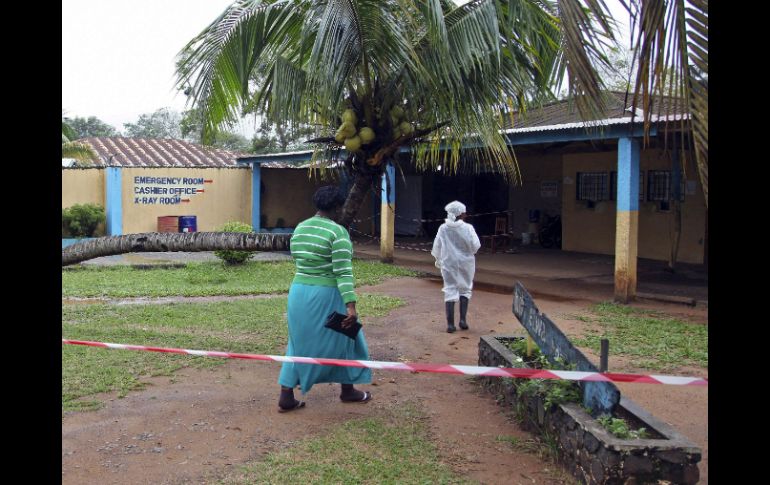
676 236
361 185
170 241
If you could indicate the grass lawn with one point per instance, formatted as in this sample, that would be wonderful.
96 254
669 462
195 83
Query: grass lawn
247 326
203 279
391 448
653 340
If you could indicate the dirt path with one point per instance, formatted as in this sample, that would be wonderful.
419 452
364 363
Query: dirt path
208 422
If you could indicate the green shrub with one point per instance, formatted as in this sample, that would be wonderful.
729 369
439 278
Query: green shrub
619 428
82 220
235 257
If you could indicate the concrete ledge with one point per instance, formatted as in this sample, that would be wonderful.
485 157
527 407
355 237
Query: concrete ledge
667 298
585 447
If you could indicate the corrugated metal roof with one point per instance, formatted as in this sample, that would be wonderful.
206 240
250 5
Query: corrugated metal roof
564 112
558 115
596 123
119 151
296 160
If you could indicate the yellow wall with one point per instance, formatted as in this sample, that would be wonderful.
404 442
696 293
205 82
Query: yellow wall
288 194
525 196
593 230
82 186
228 198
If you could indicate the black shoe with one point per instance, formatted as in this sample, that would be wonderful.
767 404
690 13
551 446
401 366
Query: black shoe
463 312
450 317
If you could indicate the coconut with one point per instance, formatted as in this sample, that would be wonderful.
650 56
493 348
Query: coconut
397 111
406 128
339 137
366 134
348 128
350 115
353 144
396 132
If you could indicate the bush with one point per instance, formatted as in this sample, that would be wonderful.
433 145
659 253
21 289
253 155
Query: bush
82 220
235 257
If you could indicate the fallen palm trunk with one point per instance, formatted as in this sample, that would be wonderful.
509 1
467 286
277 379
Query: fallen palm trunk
164 242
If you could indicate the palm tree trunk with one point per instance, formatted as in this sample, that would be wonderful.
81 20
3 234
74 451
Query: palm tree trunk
169 241
361 185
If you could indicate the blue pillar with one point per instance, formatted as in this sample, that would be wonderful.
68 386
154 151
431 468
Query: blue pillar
113 199
388 214
256 195
390 174
628 174
627 220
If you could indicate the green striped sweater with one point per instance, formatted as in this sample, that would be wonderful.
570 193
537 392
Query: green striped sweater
323 254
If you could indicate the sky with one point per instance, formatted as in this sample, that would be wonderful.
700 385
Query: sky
118 56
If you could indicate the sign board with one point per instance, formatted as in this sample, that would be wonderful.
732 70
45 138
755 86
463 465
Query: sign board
549 189
167 190
600 397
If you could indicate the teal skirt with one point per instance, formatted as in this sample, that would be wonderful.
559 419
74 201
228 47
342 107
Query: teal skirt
308 308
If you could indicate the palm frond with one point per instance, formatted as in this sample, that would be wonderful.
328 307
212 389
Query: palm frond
671 47
81 152
219 62
587 32
67 133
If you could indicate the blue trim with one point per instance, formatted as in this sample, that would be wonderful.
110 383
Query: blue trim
390 173
289 157
578 134
256 195
628 174
513 139
114 200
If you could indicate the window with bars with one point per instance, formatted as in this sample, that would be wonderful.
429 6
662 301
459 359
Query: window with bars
659 188
592 186
659 184
614 185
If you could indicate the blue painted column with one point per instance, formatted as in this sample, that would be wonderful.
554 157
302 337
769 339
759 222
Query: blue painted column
627 220
256 196
113 198
388 214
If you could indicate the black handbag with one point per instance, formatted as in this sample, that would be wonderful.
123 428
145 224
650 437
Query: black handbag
334 322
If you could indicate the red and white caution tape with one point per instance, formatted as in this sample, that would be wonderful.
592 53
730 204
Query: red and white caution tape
471 370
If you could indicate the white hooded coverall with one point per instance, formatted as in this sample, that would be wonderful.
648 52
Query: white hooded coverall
454 248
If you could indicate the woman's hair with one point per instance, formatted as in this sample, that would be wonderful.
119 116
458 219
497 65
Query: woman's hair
328 198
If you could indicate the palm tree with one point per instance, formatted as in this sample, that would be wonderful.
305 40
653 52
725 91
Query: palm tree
376 75
81 152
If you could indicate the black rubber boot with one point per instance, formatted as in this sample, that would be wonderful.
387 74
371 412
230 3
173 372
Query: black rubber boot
287 400
463 312
450 317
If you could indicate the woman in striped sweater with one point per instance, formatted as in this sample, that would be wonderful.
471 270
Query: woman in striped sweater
323 283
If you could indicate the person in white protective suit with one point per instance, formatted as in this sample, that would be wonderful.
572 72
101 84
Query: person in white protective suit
454 248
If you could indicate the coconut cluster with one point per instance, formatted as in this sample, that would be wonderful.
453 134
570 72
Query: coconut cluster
349 134
400 125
